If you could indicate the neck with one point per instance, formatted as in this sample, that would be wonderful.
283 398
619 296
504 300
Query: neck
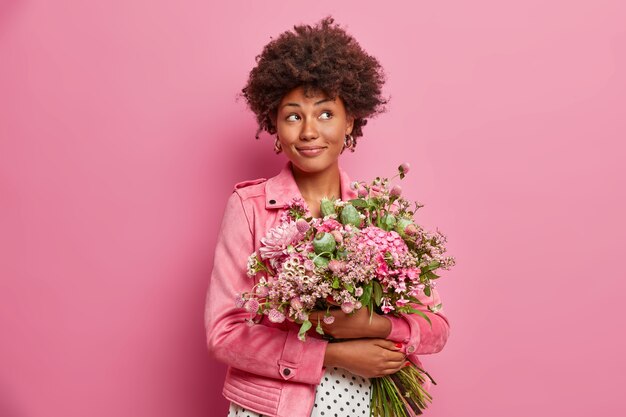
315 186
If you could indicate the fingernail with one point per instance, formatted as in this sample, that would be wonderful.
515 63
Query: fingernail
399 345
407 363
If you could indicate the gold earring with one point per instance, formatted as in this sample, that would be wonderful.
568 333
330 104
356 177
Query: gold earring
350 142
277 148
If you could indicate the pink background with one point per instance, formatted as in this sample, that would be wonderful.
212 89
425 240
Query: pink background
121 138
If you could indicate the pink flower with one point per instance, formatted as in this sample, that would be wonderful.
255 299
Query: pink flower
276 316
239 301
262 290
401 302
394 208
252 305
329 225
296 304
411 230
329 319
412 274
337 235
302 225
347 307
396 190
400 287
417 290
335 266
309 265
381 268
298 204
376 190
386 306
362 191
275 243
404 168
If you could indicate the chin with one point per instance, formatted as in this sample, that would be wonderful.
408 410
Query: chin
312 166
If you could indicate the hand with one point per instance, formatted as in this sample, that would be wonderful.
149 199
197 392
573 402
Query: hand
354 325
369 358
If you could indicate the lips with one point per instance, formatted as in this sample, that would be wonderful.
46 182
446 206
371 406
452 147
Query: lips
310 150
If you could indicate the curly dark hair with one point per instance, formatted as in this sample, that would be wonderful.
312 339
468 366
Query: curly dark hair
323 58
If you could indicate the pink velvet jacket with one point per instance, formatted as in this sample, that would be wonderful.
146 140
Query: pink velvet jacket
270 370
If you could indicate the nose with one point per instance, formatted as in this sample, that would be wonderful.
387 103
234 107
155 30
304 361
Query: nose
309 130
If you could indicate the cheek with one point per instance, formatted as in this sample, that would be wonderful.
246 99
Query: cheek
335 133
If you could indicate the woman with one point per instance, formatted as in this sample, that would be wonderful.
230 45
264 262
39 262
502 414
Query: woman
314 88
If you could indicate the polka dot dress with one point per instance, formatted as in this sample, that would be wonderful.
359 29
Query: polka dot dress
339 394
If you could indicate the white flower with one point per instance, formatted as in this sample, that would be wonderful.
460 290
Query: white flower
252 265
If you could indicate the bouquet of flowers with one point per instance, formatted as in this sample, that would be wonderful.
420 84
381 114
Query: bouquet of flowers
366 252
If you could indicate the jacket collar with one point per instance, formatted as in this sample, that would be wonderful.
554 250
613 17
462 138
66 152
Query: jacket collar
281 189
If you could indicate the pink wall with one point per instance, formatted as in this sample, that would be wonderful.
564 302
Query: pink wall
120 139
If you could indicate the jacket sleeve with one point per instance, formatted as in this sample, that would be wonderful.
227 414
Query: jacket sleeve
258 349
416 333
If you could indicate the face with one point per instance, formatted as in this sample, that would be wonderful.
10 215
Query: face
312 130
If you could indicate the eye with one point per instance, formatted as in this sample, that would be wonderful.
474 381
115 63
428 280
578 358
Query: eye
326 115
293 117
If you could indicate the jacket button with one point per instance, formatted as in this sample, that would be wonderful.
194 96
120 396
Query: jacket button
286 371
272 201
410 349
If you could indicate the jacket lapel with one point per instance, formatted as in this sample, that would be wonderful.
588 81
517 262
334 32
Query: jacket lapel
281 189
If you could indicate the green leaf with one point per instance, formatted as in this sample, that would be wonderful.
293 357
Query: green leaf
436 308
358 202
429 275
434 265
335 284
306 325
378 292
367 295
427 291
318 328
415 300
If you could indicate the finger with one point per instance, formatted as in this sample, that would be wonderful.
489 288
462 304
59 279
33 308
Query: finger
313 318
394 363
394 369
316 316
391 356
388 344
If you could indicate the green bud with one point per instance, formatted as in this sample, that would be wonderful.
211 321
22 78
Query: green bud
350 215
321 261
324 242
401 225
387 222
327 207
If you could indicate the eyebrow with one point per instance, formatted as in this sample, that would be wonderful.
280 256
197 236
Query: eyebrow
317 103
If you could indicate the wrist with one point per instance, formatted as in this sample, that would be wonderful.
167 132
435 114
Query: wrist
331 356
381 326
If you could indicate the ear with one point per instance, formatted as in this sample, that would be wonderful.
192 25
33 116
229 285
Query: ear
349 124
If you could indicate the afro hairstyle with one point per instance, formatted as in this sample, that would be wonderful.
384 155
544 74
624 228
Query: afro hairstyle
322 58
